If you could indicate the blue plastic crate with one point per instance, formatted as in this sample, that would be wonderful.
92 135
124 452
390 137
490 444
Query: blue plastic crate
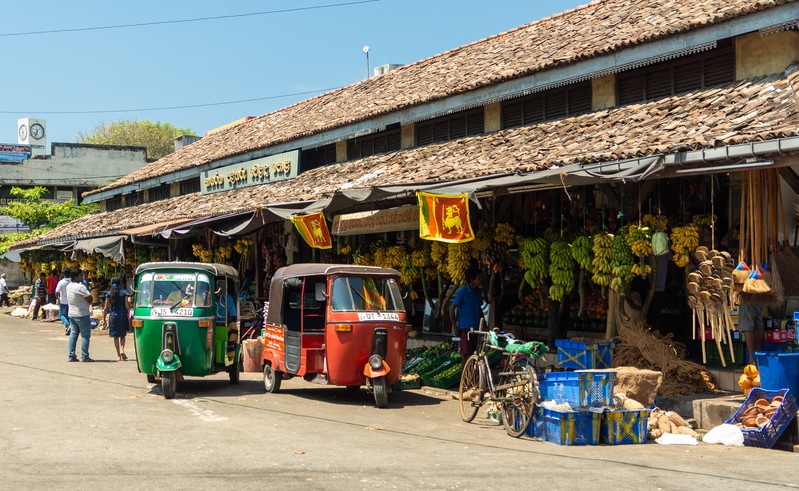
778 370
768 435
566 428
585 356
621 427
579 388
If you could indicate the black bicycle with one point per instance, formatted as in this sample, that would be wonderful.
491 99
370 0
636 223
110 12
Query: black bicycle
516 390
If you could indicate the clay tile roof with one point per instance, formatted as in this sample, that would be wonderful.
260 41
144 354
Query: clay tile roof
745 111
594 29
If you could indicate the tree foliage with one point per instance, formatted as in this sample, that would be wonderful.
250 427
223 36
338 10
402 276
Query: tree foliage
157 137
38 214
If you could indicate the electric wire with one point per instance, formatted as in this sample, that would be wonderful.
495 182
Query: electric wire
185 21
168 108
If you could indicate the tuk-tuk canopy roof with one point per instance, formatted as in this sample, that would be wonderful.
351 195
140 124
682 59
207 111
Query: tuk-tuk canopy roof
213 268
310 269
314 269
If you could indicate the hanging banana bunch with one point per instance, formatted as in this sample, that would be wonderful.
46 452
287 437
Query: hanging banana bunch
581 250
458 262
684 241
601 269
561 269
535 258
621 264
639 238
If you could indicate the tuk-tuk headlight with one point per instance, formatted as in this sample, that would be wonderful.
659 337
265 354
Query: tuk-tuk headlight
376 362
167 355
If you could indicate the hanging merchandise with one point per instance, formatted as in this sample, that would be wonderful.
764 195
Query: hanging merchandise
660 243
684 241
603 252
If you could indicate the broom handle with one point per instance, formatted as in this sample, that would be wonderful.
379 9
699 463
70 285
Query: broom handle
742 221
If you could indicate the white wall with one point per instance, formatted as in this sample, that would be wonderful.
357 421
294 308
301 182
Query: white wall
74 164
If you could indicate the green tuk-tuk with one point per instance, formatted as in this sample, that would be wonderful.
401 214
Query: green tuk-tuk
184 321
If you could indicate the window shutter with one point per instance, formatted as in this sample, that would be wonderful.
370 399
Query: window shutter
511 114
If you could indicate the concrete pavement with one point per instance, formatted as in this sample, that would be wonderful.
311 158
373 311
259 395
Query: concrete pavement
100 425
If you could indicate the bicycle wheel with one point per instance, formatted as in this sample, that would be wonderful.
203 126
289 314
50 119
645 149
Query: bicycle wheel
470 396
519 400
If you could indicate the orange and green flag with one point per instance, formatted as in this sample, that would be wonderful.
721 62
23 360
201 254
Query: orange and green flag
444 217
313 229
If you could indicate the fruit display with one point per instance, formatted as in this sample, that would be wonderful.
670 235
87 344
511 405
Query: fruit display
535 259
581 251
458 261
639 238
601 270
561 269
655 222
684 241
621 264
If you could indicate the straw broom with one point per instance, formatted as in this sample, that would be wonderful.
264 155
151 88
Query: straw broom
756 289
741 272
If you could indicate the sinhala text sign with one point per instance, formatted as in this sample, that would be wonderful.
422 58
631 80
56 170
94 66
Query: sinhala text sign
251 173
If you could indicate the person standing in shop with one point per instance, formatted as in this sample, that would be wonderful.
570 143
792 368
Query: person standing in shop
466 309
61 296
4 291
80 302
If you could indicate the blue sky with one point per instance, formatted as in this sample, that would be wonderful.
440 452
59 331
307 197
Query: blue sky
214 61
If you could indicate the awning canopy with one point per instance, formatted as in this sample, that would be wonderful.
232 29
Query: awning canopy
234 224
111 246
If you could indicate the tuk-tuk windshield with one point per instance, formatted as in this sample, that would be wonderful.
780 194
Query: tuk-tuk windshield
366 293
174 290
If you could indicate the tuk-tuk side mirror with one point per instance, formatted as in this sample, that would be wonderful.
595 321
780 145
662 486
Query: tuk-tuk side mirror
320 292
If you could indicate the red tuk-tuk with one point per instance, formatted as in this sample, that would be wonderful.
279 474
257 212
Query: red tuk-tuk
335 324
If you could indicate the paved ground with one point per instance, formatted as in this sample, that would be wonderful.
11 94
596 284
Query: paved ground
100 425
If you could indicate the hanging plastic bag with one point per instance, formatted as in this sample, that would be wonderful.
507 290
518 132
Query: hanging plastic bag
660 243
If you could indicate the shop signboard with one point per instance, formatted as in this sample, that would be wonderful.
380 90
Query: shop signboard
10 152
251 173
377 221
63 195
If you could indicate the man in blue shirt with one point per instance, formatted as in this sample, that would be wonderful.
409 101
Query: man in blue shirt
466 310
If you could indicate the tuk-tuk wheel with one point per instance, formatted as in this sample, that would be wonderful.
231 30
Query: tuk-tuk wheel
272 379
168 384
380 389
150 379
233 372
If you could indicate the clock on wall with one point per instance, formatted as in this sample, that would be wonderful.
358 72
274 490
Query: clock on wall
37 131
23 132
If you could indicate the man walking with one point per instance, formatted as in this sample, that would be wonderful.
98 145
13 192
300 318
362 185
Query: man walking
61 296
40 292
4 291
79 300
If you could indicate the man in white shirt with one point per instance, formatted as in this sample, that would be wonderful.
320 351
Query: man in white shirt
79 299
4 291
61 296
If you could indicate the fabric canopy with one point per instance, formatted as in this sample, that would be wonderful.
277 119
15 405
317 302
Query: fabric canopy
111 246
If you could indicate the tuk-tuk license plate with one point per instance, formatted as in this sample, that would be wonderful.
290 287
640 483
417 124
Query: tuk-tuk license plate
182 312
378 316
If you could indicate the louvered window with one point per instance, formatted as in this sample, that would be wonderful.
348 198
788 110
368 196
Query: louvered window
450 127
547 105
134 199
693 72
317 157
159 193
113 203
190 186
387 140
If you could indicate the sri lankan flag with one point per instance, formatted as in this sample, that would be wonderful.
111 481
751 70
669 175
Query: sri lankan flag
444 217
313 229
